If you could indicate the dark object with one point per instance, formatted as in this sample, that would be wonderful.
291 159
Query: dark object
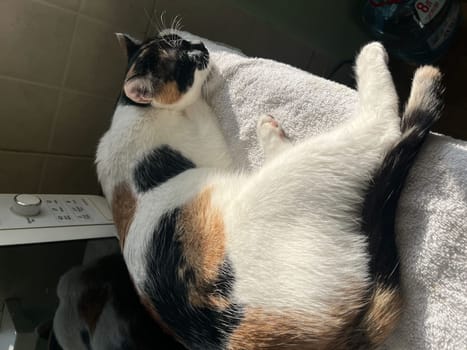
103 290
417 31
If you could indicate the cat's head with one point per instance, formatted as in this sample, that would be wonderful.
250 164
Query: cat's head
165 71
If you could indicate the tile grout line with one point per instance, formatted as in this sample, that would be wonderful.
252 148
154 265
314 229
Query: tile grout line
151 18
60 97
78 12
66 72
75 12
45 154
30 82
55 87
42 175
48 4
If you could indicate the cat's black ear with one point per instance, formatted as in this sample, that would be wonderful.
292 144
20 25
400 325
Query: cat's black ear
128 44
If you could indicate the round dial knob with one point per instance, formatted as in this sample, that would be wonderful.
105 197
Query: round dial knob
26 205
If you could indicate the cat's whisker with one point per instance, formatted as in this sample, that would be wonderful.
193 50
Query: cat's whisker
205 90
160 24
150 16
396 266
162 21
172 24
157 23
178 23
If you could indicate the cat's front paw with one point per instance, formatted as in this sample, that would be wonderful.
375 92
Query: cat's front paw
269 130
271 136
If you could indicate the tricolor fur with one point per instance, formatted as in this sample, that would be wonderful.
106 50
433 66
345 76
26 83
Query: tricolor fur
297 255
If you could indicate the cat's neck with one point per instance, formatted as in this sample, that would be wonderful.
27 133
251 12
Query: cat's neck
137 131
132 112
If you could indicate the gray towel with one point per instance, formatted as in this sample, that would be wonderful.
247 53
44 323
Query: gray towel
432 215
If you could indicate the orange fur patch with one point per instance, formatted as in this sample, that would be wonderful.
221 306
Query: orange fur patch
203 242
383 313
169 93
123 210
354 325
281 330
339 329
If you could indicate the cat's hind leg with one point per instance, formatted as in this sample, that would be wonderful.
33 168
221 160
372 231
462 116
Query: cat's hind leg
378 98
360 143
271 136
367 136
375 127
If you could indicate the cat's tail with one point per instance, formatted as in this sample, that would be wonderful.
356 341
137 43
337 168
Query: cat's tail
423 109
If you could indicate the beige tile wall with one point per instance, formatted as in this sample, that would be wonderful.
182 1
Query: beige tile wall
61 70
220 21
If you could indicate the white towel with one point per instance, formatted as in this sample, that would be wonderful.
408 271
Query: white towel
432 215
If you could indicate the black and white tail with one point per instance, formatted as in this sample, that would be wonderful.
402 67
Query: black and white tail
423 109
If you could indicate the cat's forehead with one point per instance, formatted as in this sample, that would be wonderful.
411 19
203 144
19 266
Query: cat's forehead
163 41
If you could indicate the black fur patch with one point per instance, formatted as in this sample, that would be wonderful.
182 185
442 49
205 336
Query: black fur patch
199 327
131 45
160 165
380 205
223 285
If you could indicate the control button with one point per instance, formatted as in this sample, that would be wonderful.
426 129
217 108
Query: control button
26 205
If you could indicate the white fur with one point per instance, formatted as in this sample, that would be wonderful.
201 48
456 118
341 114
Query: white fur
290 237
136 131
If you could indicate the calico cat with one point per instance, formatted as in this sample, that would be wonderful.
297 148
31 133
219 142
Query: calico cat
299 254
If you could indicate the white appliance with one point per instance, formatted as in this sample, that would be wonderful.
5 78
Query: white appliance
28 219
41 237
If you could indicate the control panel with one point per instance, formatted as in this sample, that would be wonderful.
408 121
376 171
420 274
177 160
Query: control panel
26 218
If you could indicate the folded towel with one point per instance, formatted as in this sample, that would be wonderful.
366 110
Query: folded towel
432 214
432 237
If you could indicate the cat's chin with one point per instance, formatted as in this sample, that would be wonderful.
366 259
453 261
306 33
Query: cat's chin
180 104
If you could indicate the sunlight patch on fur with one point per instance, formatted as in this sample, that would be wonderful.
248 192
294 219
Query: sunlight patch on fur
123 210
